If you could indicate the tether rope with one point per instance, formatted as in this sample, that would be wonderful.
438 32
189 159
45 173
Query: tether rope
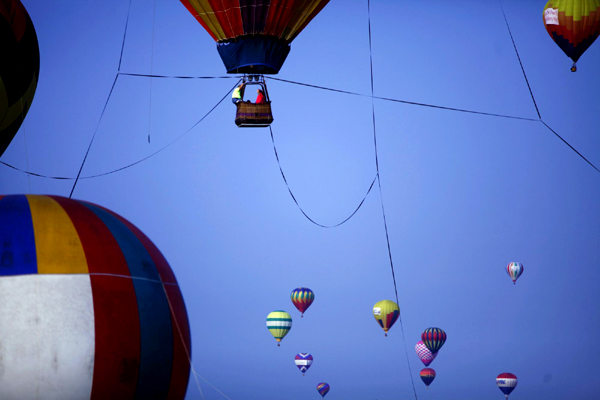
405 101
519 58
298 204
93 136
128 165
387 237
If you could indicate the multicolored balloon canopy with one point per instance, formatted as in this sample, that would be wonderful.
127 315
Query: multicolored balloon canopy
427 376
303 361
89 307
19 68
279 323
514 270
424 354
323 388
434 339
302 299
386 313
254 36
573 25
506 382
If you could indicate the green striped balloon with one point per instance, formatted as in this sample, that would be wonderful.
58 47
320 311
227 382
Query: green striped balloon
279 323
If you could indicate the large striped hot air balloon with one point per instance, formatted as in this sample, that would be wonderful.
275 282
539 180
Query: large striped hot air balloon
434 339
89 307
573 25
279 324
386 313
19 68
424 354
514 270
427 376
302 299
323 388
254 36
506 382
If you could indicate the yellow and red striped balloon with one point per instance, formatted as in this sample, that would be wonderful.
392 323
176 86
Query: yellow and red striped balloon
573 25
386 312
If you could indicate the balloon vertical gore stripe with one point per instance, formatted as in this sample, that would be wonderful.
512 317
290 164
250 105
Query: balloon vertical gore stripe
18 255
154 314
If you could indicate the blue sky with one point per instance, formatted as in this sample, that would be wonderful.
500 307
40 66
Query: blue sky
464 194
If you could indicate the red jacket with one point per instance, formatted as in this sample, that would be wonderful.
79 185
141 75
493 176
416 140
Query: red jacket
260 98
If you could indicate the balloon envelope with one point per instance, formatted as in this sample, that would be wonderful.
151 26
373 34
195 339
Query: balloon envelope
323 388
427 376
434 339
424 354
573 24
514 270
254 36
506 382
386 313
19 68
279 323
89 307
303 361
302 298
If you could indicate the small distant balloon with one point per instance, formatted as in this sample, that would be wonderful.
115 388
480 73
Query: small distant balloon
434 339
506 382
323 388
424 354
279 323
386 313
514 270
303 362
302 299
427 376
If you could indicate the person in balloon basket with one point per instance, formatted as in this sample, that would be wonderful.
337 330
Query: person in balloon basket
260 97
236 97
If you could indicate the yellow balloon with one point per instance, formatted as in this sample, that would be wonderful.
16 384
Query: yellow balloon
279 324
386 312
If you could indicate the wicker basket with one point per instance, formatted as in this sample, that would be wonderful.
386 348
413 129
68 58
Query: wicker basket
253 115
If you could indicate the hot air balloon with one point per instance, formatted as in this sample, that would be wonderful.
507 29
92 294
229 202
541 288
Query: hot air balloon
303 362
434 339
279 324
89 307
19 68
253 36
424 354
427 376
323 388
386 312
514 270
507 382
302 299
573 25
